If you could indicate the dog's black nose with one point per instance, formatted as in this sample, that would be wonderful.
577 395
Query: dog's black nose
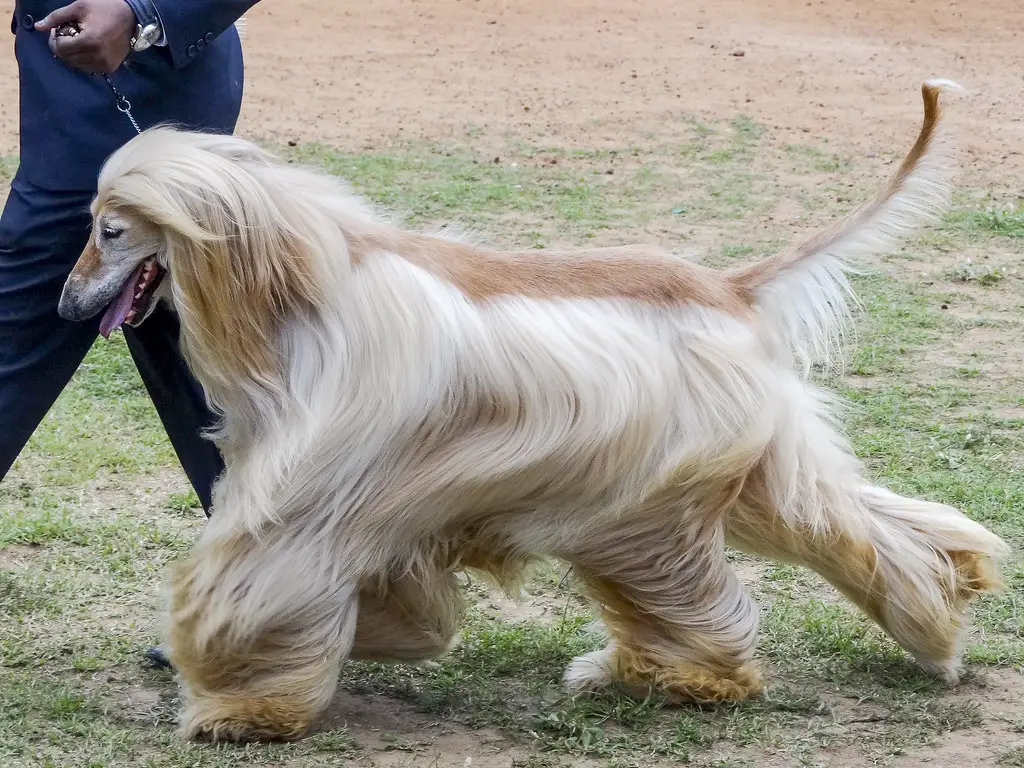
68 309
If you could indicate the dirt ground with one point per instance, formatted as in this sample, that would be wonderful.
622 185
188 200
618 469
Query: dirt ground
602 72
592 71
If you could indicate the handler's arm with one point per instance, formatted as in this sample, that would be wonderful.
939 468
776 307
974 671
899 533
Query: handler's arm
105 28
190 25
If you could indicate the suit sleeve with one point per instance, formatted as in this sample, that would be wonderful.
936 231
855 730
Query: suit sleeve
190 25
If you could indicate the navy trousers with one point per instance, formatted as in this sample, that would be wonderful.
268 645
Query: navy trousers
42 233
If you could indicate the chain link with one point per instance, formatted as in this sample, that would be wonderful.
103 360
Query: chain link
123 105
73 29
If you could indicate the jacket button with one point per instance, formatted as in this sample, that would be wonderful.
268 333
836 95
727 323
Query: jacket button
28 21
209 37
192 51
200 43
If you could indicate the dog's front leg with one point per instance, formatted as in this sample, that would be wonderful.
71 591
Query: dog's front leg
408 618
259 628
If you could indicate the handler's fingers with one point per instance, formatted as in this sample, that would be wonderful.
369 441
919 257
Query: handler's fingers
70 47
80 57
73 12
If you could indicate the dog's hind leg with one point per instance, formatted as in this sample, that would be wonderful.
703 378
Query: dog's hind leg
259 628
410 618
679 620
935 560
911 565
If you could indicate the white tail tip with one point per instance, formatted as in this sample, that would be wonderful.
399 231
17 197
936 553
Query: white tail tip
945 85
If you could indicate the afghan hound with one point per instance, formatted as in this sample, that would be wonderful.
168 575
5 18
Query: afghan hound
398 407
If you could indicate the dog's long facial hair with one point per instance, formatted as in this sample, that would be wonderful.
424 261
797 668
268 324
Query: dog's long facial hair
397 407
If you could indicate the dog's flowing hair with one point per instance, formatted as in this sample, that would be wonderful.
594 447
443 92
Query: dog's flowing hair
398 407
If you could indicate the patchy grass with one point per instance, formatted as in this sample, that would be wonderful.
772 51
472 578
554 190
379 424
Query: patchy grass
94 510
982 274
810 158
427 188
8 167
991 222
1012 758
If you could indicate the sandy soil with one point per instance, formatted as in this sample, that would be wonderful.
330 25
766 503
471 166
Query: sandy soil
589 71
593 71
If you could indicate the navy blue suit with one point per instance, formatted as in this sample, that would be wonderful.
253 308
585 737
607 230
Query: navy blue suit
69 125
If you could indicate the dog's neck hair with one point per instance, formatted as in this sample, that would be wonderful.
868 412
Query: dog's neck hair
242 298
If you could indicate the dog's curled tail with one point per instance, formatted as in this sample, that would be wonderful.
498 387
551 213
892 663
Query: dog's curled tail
803 291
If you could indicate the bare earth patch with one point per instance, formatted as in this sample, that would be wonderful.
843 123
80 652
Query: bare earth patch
999 732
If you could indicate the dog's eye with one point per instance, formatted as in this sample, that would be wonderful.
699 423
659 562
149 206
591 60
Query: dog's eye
111 233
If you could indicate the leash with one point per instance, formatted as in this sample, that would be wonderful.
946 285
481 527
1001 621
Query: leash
124 106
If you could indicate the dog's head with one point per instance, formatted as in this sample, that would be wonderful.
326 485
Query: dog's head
121 268
212 224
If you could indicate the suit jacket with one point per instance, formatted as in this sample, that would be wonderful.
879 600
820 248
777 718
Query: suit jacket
69 120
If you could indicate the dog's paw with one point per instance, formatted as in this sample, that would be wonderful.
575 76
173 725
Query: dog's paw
947 670
243 719
591 672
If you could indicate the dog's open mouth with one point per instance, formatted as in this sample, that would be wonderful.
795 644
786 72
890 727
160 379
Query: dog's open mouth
133 303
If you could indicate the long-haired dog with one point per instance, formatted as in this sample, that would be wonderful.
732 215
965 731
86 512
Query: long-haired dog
399 406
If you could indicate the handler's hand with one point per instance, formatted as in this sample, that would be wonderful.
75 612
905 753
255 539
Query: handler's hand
104 38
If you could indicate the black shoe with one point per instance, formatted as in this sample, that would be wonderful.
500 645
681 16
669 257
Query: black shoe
157 658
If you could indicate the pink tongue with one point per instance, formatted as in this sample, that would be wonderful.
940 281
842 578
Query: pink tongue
116 313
